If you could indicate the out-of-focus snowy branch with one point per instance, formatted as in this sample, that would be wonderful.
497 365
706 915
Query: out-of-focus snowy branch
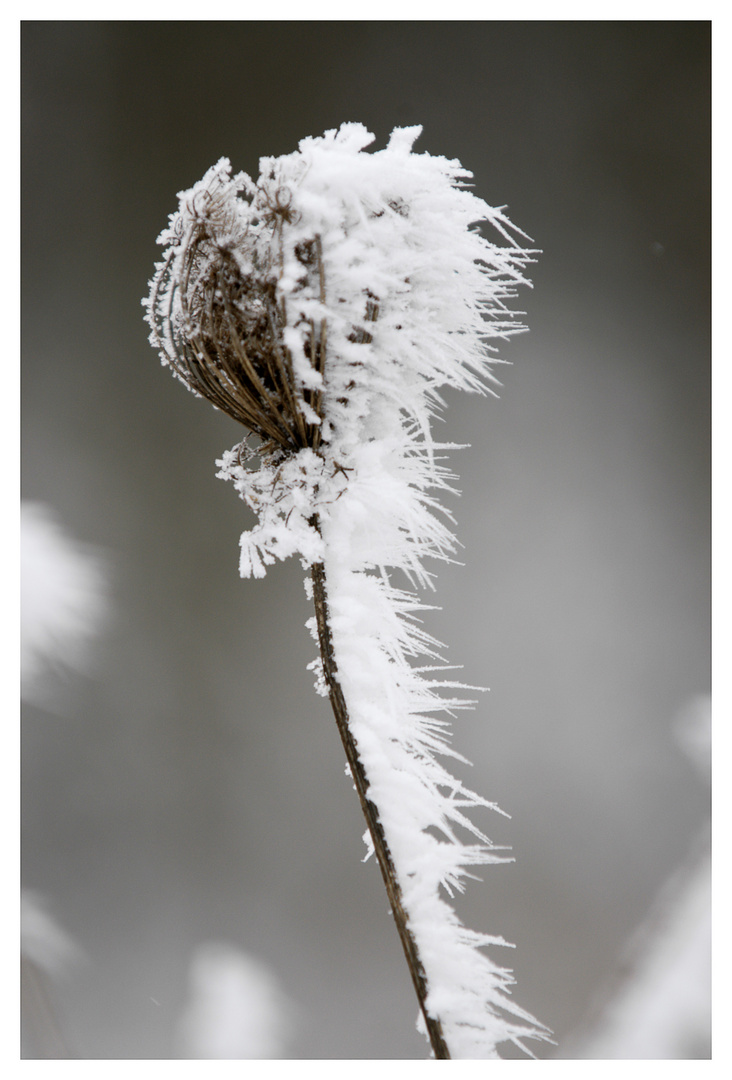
658 1005
63 602
47 954
236 1007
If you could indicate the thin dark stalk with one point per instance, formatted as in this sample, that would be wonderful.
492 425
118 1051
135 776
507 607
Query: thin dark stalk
394 892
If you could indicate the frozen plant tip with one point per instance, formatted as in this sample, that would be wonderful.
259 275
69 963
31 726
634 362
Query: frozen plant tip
324 307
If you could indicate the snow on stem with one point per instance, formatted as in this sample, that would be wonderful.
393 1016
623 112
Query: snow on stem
324 307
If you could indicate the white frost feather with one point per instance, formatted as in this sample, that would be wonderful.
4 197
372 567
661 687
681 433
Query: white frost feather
414 295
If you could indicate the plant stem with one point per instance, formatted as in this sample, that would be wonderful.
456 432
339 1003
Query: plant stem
388 870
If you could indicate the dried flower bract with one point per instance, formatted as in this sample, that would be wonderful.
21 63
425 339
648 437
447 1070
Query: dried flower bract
216 314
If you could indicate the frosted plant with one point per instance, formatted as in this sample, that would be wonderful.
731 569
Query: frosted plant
236 1007
657 1002
324 307
63 601
47 955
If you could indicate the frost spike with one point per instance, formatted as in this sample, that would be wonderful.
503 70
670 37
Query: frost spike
370 812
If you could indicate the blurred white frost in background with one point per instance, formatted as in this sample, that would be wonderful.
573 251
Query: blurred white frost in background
46 955
236 1007
63 604
63 601
42 941
659 1005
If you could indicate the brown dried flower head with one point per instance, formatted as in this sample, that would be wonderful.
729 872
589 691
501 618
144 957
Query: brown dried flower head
216 315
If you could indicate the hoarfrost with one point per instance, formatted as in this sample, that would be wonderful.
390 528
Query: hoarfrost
385 292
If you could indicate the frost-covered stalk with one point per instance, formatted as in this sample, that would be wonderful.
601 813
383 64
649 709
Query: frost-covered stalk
324 307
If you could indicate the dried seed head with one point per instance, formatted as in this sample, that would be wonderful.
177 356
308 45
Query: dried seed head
372 258
215 314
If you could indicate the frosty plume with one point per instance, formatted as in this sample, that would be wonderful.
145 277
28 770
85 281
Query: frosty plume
324 307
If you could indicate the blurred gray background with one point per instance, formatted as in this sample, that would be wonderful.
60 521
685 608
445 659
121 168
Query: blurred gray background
191 788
